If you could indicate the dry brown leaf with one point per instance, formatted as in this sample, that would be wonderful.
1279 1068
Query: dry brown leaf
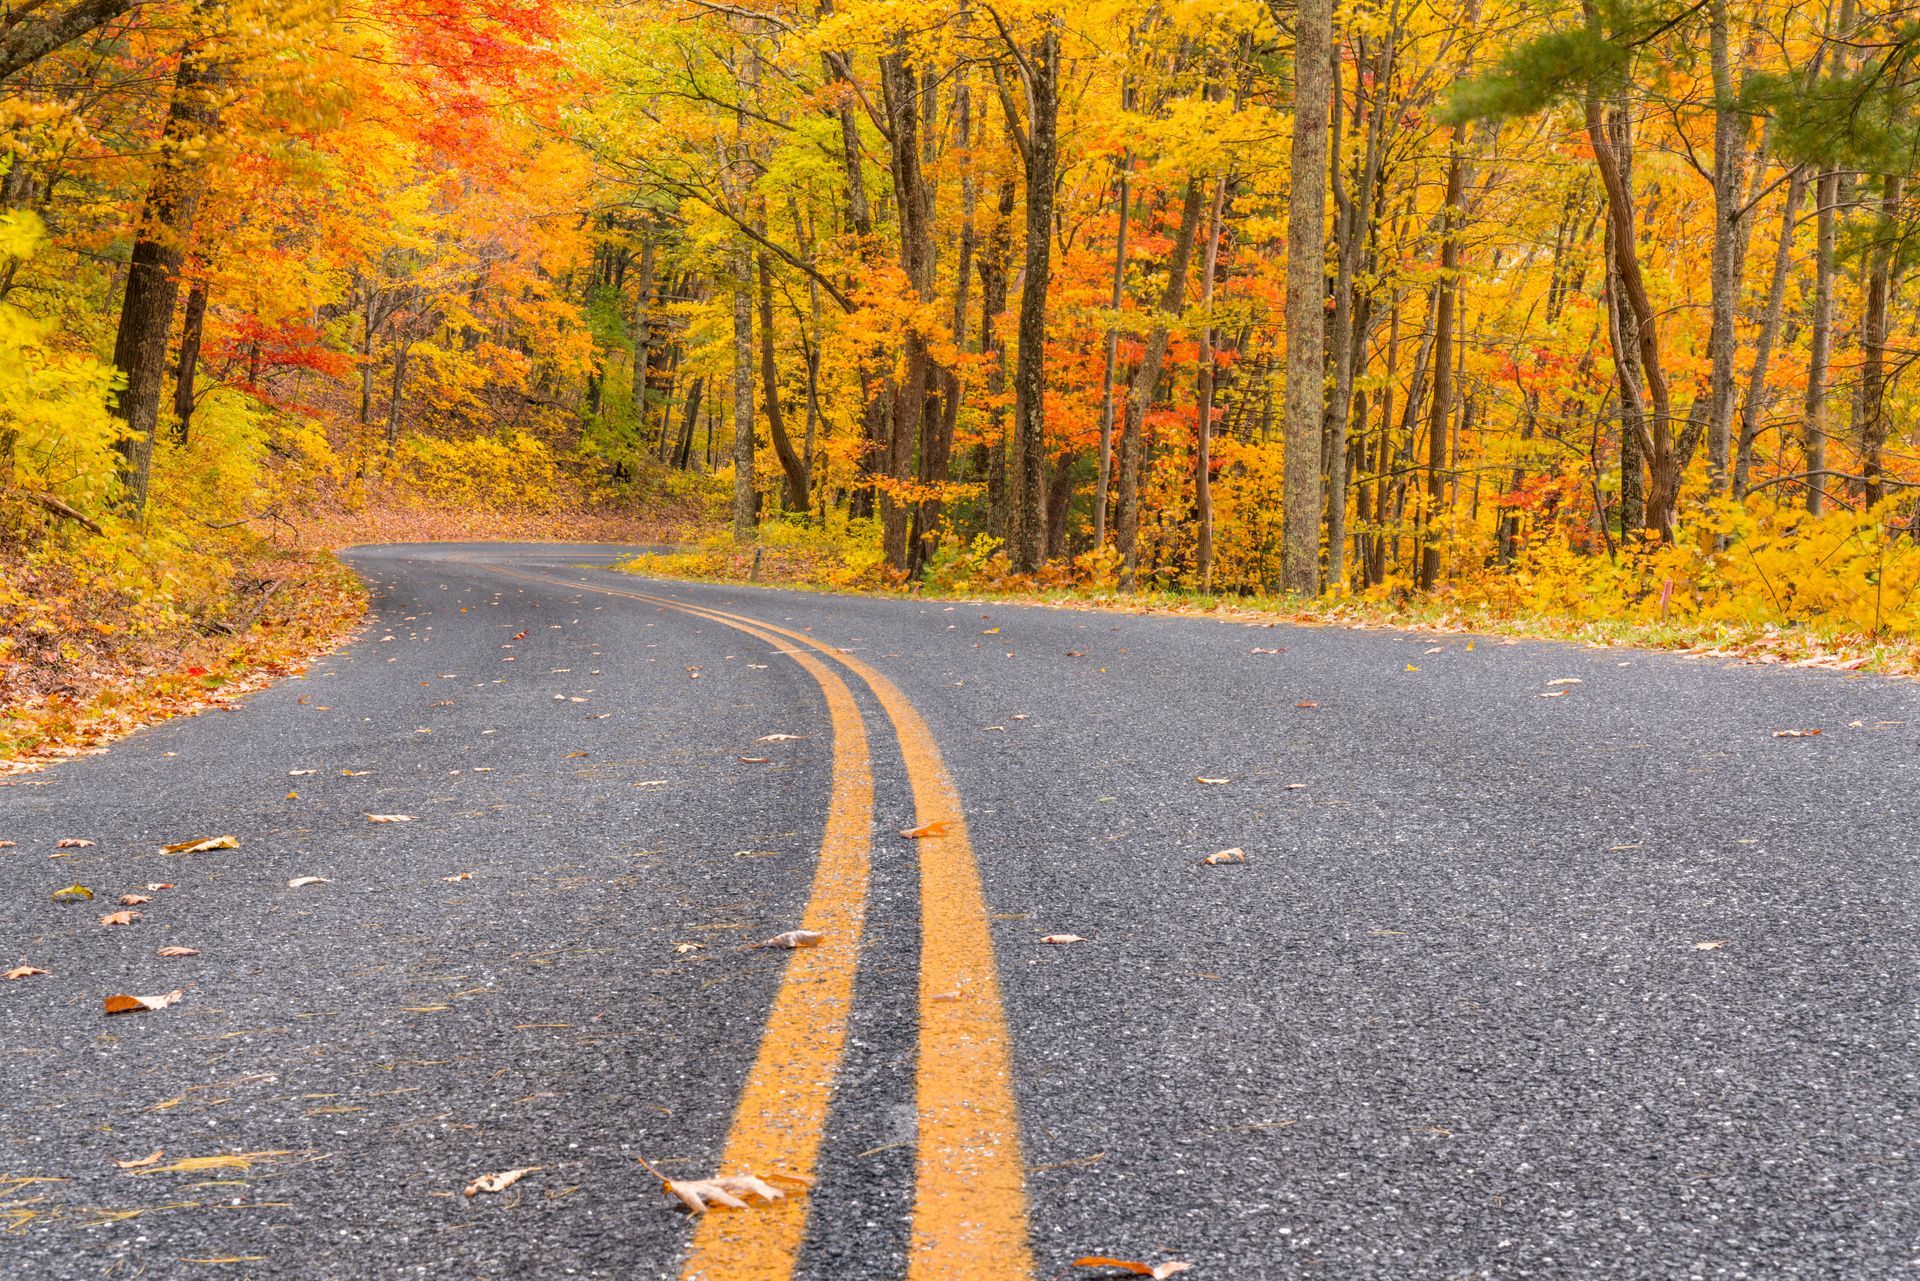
154 887
202 845
119 918
355 773
793 938
1234 855
1213 782
6 845
1711 945
459 876
72 843
780 738
121 1003
755 760
576 755
172 951
1063 938
298 881
729 1190
499 1182
1304 704
141 1163
1566 680
1796 733
73 894
21 971
924 831
1158 1271
135 900
389 818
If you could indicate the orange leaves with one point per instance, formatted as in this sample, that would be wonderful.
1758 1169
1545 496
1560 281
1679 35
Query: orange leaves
202 845
121 1003
1219 857
21 971
925 831
119 918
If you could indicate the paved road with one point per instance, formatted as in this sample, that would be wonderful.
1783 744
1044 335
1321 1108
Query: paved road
1612 983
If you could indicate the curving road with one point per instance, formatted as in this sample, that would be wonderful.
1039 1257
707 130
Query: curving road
1543 961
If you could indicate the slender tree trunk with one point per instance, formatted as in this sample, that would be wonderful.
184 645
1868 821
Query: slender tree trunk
1444 305
1203 461
1103 484
791 463
643 340
192 325
1306 293
690 418
1755 403
1874 329
1729 203
1820 344
1029 531
745 517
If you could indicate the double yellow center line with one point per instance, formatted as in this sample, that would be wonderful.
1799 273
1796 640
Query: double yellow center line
969 1212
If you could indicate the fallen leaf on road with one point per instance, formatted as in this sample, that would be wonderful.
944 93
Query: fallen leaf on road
576 755
73 894
924 831
755 760
154 887
135 900
174 951
119 918
995 729
202 845
499 1182
1554 693
1711 945
1779 733
729 1190
72 843
1412 668
1434 650
1021 716
301 773
121 1003
1278 649
1213 782
459 876
779 738
389 818
140 1163
990 631
1566 680
1063 938
22 971
298 881
1158 1271
1306 704
6 845
793 938
1234 855
355 773
681 949
652 782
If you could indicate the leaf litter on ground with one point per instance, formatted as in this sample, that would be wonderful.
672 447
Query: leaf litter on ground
121 1003
202 845
731 1191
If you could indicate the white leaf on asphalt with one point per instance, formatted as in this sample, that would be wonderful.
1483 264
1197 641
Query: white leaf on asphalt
499 1182
389 818
1063 938
1566 680
793 938
298 881
1711 945
121 1003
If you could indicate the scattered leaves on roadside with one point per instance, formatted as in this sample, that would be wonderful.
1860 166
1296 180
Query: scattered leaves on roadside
1063 938
119 918
924 831
792 939
389 818
141 1163
1711 945
121 1003
72 843
298 881
21 971
202 845
73 894
1157 1271
1234 855
499 1182
172 951
1796 733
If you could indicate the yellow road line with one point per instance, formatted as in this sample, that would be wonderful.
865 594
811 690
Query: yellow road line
970 1210
782 1114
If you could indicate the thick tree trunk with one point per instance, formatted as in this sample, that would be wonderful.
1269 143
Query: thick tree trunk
1306 293
159 249
27 41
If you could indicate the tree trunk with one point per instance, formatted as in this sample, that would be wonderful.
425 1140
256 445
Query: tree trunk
1755 402
1729 203
1029 532
1306 293
192 325
745 517
791 463
1147 377
1203 461
1874 327
1820 345
1103 484
1444 304
159 248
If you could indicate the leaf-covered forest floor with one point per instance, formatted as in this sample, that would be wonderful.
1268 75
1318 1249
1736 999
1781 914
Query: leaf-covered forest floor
1440 613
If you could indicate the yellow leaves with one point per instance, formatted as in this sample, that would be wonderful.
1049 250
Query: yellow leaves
500 1182
140 1163
1156 1271
120 1003
202 845
73 894
241 1161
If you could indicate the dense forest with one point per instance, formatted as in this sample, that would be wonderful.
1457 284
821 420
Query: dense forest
1573 307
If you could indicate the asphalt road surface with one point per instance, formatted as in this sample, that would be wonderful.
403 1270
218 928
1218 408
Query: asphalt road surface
1544 961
